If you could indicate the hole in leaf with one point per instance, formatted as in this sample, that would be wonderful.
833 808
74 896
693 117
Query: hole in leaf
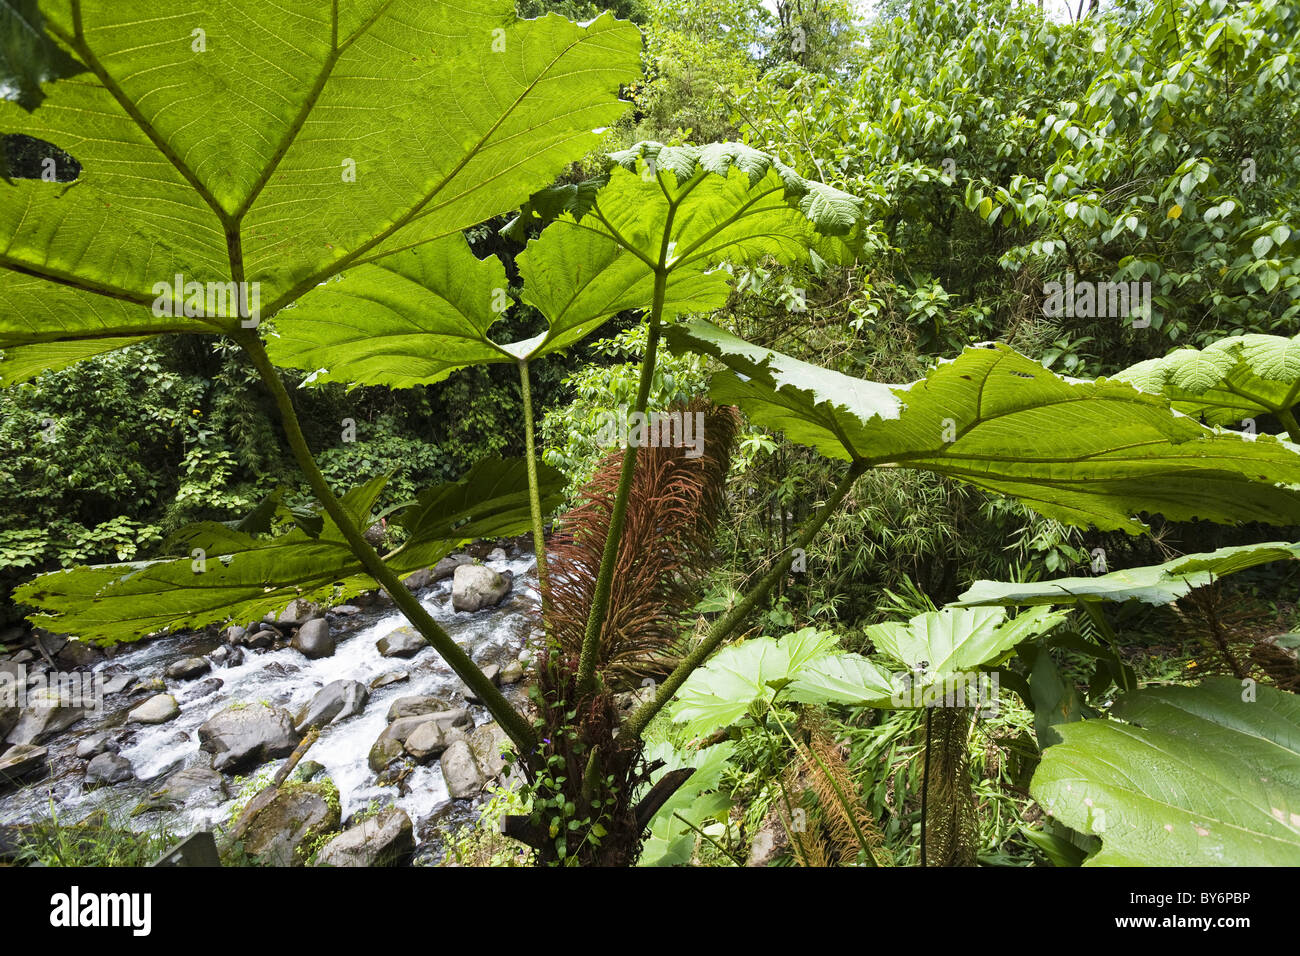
26 157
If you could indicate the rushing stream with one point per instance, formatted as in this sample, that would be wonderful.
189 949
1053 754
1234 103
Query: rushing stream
283 678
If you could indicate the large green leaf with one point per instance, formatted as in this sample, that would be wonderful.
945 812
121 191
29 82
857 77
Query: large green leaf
694 804
281 144
1086 453
752 673
1228 381
1194 776
1155 584
940 644
406 319
411 317
243 575
682 210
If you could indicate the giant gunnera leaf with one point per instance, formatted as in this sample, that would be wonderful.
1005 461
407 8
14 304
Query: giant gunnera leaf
1086 453
806 666
228 573
237 141
1155 584
1228 381
676 213
1188 776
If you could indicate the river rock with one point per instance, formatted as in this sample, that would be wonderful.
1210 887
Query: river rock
512 673
419 580
336 701
307 770
401 642
227 656
314 640
187 668
460 771
119 682
346 610
52 643
391 743
156 710
96 745
414 706
447 567
76 654
486 743
431 738
474 587
107 769
204 687
247 735
382 840
262 639
196 786
8 720
280 833
234 634
44 718
392 677
20 762
298 612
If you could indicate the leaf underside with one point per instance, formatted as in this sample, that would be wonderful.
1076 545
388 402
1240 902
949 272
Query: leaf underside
1095 454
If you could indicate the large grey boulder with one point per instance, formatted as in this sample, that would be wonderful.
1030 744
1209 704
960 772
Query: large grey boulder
297 612
18 763
78 653
95 745
196 786
246 735
401 642
108 768
460 771
416 705
487 743
187 668
447 567
392 742
336 701
382 840
118 682
419 580
283 829
431 738
314 640
474 587
156 710
44 717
